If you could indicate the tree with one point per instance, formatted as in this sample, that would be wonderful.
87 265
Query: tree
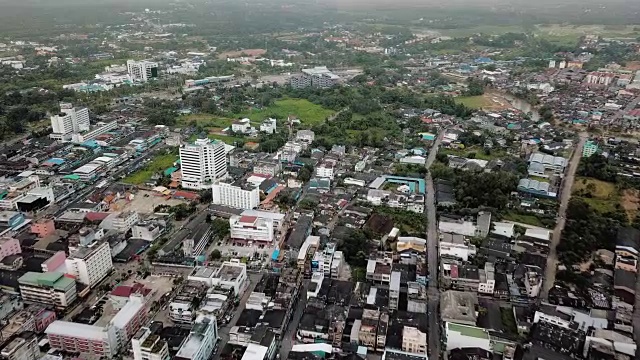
216 255
305 173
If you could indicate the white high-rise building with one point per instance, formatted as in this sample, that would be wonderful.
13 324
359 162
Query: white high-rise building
241 197
90 264
148 346
142 71
70 121
201 341
202 163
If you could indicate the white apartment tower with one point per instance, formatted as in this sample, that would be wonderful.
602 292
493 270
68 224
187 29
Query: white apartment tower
240 197
202 163
148 346
69 121
90 264
142 71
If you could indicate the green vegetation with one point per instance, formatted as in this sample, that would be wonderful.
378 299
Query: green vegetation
203 120
474 102
309 114
523 218
157 164
600 195
408 222
231 140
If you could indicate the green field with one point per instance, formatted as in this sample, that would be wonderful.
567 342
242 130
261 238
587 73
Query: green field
478 151
204 120
309 113
227 139
474 102
157 164
525 219
602 196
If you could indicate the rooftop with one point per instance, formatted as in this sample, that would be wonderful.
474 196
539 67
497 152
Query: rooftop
76 330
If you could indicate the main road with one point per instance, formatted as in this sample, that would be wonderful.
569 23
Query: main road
565 196
433 293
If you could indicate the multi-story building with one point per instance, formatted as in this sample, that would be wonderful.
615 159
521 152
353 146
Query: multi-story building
148 346
241 197
394 290
23 347
201 340
90 264
414 341
70 120
142 71
202 163
306 136
43 228
101 128
231 275
319 77
52 288
325 170
33 318
271 168
87 339
122 221
9 246
251 229
129 320
590 148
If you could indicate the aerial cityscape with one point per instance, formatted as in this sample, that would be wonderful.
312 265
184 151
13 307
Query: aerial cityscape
319 180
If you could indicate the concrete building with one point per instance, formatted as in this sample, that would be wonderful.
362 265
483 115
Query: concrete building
271 168
456 246
142 71
148 346
201 340
129 320
414 341
202 163
590 148
82 338
231 275
9 246
241 197
459 307
43 228
90 264
23 347
325 170
251 230
101 128
52 288
319 77
70 120
148 230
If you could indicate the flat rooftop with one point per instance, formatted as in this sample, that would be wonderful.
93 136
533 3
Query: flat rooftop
76 330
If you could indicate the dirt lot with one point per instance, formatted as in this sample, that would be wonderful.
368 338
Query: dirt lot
630 202
160 285
247 52
144 204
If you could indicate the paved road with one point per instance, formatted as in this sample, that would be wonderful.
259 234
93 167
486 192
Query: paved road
433 294
565 195
223 332
288 340
636 317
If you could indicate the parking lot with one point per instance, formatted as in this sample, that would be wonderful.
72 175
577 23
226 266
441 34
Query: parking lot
159 285
144 202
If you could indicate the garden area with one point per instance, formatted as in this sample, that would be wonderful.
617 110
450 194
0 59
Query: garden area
158 164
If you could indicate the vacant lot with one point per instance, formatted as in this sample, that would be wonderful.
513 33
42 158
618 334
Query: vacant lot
488 101
309 113
158 163
600 195
204 120
630 202
524 219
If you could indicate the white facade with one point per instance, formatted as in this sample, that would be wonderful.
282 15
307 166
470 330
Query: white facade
201 341
21 348
235 196
70 120
202 163
90 265
142 71
325 171
231 275
460 251
251 228
100 129
149 347
414 341
268 126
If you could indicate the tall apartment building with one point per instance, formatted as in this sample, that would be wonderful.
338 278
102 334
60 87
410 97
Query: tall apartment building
23 347
52 288
318 77
201 341
9 246
129 320
148 346
90 264
69 121
202 163
590 148
86 339
142 71
236 196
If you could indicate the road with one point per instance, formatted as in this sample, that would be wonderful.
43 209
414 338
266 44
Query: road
433 293
287 341
223 331
636 317
565 195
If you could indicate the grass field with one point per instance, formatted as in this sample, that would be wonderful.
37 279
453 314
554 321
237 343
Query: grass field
227 139
478 151
309 113
475 102
603 195
525 219
158 163
204 120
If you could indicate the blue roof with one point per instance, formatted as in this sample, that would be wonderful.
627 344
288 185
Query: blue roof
275 254
90 144
483 60
56 161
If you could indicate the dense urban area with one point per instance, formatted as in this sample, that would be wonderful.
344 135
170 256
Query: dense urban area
312 180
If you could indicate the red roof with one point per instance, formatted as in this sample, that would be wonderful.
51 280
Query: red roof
123 291
264 176
96 216
454 271
186 195
248 219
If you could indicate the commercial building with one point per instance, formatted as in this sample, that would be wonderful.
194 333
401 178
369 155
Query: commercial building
142 71
52 288
241 197
325 170
23 347
70 120
148 346
201 341
122 221
318 77
129 320
90 264
82 338
231 275
251 229
202 163
271 168
100 128
9 246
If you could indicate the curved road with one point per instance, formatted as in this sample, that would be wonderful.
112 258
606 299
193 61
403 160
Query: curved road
565 195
